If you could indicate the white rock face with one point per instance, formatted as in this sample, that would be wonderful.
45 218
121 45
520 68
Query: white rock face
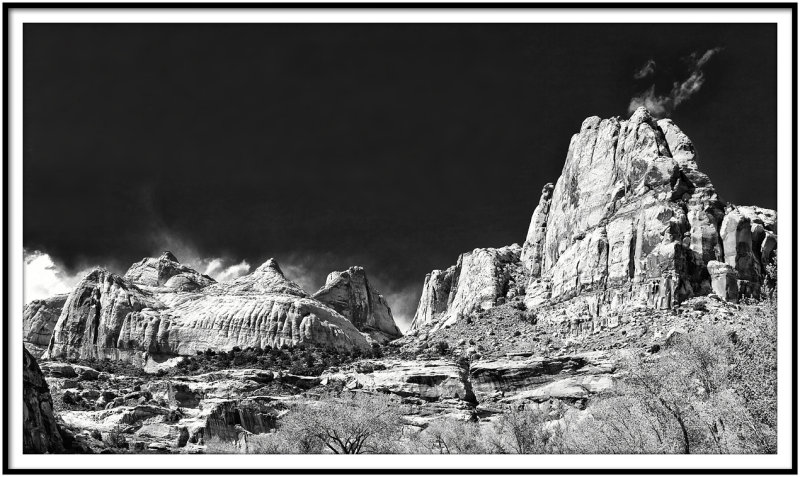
429 380
630 223
531 256
480 280
39 318
166 271
541 378
108 316
350 293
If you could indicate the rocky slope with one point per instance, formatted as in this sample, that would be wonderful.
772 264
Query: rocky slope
630 223
161 308
40 432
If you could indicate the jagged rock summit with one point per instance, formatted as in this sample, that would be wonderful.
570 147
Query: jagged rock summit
350 293
140 316
630 222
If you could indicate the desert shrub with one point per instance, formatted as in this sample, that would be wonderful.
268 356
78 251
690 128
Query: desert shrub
441 347
770 279
690 398
452 436
351 423
529 431
115 439
268 443
215 445
754 372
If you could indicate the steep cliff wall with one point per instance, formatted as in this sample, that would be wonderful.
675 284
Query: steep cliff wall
480 280
631 222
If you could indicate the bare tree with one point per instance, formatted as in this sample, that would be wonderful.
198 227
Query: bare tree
353 423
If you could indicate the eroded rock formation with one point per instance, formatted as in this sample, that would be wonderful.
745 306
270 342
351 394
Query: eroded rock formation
630 222
39 317
113 317
166 271
480 280
350 293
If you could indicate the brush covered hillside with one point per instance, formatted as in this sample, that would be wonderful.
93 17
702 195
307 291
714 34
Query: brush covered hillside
638 316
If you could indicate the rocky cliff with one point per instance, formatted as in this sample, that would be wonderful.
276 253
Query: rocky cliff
350 293
480 280
161 308
39 317
40 432
630 222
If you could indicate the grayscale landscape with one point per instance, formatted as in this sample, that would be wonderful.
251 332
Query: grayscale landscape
637 316
325 238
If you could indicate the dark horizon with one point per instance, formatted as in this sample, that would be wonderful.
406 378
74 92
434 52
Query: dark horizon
394 147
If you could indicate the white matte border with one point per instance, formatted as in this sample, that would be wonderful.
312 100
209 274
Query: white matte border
18 17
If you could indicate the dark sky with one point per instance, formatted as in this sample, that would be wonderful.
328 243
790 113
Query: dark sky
396 147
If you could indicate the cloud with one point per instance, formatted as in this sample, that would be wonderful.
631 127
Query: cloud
403 303
43 278
218 269
646 70
662 105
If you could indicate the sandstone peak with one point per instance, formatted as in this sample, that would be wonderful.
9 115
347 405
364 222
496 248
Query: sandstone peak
267 278
270 264
350 293
167 255
641 115
166 271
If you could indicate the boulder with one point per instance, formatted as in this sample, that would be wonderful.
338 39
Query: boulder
58 370
724 281
737 242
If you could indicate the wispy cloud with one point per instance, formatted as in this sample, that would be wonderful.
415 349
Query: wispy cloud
220 270
44 278
646 70
403 301
662 105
